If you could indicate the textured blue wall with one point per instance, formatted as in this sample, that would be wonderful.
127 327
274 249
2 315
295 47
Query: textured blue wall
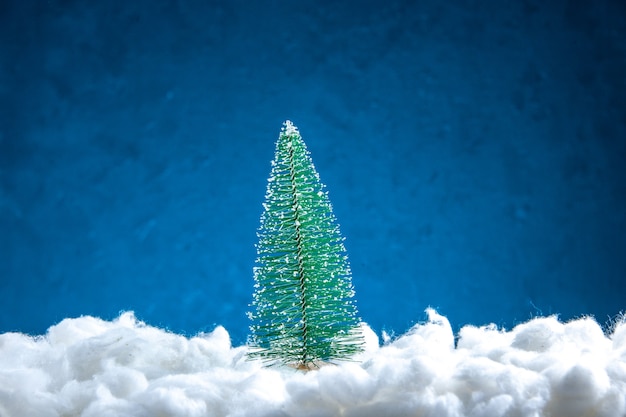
474 152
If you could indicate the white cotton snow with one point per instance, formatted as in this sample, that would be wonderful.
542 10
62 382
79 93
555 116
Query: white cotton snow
91 367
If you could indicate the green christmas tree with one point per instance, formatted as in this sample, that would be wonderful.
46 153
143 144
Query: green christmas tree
305 311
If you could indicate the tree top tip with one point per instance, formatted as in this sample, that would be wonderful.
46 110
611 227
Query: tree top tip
289 129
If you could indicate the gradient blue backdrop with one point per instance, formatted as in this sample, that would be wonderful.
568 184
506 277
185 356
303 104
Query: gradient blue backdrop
474 152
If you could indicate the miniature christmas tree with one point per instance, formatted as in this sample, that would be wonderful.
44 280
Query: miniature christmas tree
305 312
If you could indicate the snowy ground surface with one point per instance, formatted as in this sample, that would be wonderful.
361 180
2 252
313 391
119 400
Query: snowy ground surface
93 368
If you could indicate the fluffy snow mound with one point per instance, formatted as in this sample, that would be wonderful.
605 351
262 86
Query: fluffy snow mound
90 367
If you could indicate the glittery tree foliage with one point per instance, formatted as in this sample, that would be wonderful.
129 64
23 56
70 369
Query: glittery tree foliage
305 313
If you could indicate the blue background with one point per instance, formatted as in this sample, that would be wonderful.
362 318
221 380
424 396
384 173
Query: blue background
474 152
